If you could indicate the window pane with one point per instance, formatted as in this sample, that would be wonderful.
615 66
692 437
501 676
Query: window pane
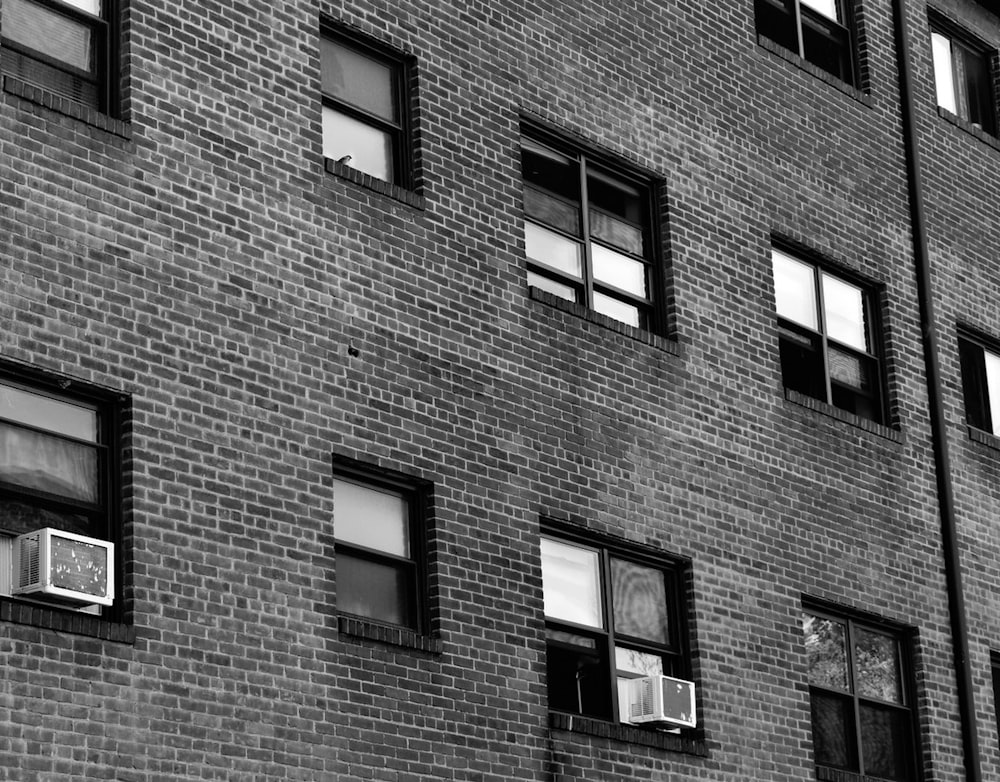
833 731
571 583
619 310
50 464
367 148
619 270
877 665
826 7
577 676
850 369
992 362
357 79
47 413
827 652
553 211
622 235
371 517
845 312
609 194
373 589
49 33
979 89
944 72
552 249
21 517
802 363
639 598
884 742
555 288
794 290
547 169
90 6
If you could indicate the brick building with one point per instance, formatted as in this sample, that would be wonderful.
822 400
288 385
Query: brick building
440 372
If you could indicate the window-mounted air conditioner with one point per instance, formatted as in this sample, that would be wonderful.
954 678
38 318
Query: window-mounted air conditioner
661 699
62 567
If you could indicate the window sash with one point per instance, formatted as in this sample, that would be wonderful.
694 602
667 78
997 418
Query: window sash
98 27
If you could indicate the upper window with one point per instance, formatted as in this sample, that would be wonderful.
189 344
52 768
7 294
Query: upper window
588 232
963 77
995 680
981 383
862 714
59 464
827 337
378 526
819 31
68 47
365 108
611 615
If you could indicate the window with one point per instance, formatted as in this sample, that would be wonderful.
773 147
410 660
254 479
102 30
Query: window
610 615
963 78
861 713
588 231
819 31
980 383
827 337
995 676
68 47
364 108
59 463
378 528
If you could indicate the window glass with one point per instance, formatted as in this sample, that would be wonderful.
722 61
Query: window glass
370 517
639 598
845 312
610 229
377 590
615 197
794 290
369 149
944 79
551 210
48 464
877 666
49 33
992 362
619 270
44 412
553 287
550 170
553 250
884 743
571 583
357 79
827 8
827 651
619 310
90 6
833 742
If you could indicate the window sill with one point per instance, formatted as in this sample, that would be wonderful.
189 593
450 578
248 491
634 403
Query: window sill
792 57
379 186
57 103
628 734
387 634
842 415
580 311
988 439
837 775
969 127
73 622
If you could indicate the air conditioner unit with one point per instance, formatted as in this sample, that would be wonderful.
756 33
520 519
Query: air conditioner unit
62 567
661 699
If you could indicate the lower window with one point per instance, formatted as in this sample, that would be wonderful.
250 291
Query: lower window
612 615
862 713
980 382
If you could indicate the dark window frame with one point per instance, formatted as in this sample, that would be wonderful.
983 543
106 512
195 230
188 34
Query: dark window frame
786 23
402 69
106 516
418 494
792 333
106 30
979 109
995 681
902 638
652 308
676 655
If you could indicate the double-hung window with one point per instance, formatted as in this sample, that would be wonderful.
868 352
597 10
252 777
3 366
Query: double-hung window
611 614
588 231
365 117
378 528
862 713
819 31
980 383
828 338
963 76
67 47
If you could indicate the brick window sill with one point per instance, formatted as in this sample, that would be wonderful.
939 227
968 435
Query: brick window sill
580 311
792 57
387 634
824 408
984 438
73 622
627 734
970 128
57 103
408 197
837 775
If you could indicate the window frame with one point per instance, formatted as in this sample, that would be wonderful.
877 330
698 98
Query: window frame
106 515
964 43
675 655
651 309
873 356
106 31
401 68
418 496
976 395
901 638
800 16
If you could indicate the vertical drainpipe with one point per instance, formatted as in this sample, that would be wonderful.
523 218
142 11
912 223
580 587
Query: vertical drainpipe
939 433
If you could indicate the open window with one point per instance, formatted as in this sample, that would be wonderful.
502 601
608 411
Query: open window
964 75
819 31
